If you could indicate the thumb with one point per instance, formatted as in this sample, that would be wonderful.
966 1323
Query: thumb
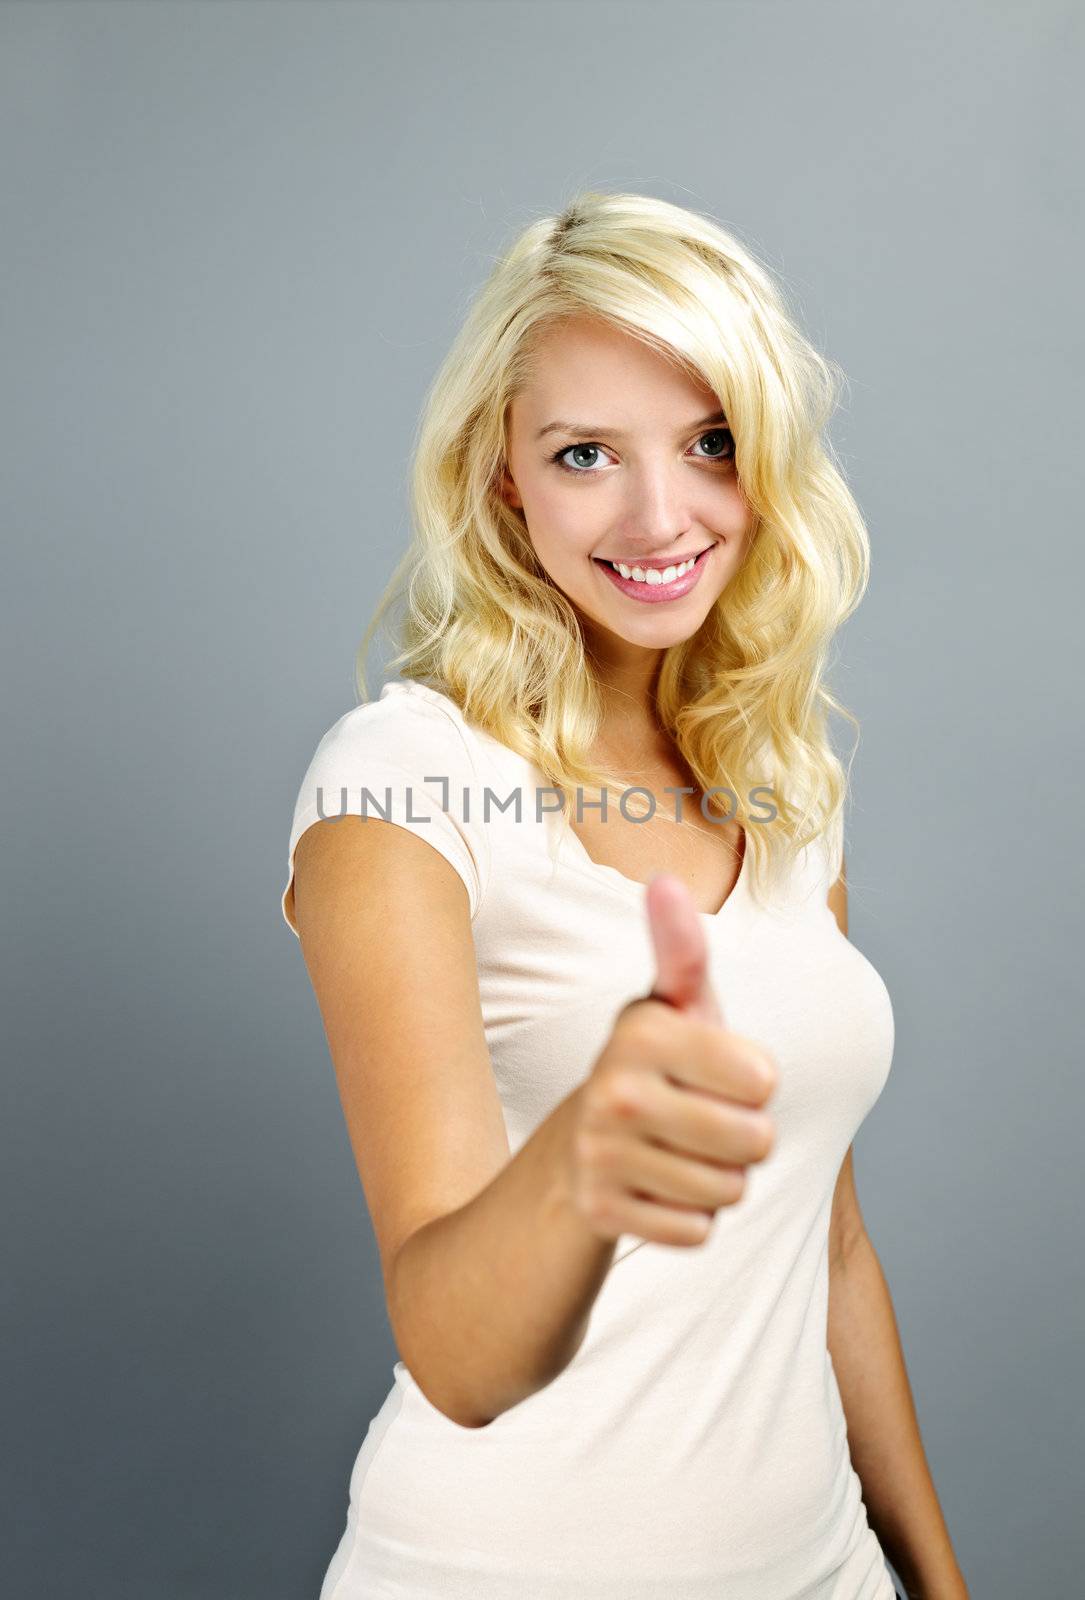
681 949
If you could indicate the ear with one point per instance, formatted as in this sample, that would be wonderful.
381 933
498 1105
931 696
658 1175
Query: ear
508 491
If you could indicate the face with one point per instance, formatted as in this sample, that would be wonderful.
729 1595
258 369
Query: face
616 455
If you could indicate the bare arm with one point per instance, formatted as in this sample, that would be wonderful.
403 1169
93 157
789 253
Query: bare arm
489 1272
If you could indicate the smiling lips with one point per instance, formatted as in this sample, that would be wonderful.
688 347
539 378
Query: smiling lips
652 588
654 564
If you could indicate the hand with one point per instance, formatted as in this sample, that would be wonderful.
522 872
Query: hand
669 1118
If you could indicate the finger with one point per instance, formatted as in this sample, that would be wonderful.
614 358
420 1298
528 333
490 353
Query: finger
681 949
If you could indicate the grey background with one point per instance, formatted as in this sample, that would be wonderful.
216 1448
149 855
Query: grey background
237 239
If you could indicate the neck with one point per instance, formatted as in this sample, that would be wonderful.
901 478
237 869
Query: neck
626 676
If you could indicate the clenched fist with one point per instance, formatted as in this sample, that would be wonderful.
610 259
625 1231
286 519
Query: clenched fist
671 1114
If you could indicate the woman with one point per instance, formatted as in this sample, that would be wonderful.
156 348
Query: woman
603 1047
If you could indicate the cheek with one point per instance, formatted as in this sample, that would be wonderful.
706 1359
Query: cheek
562 518
728 512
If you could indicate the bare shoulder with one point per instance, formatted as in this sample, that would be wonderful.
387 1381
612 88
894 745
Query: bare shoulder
385 930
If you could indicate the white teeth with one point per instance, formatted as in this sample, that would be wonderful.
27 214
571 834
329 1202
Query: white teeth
653 574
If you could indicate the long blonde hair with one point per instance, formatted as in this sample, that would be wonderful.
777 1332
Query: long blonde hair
744 697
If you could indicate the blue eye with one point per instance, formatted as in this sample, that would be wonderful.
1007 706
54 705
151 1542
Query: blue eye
567 450
724 434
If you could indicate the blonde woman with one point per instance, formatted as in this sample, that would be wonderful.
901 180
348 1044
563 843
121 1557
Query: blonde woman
571 895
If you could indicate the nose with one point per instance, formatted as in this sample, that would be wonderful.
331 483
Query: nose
658 513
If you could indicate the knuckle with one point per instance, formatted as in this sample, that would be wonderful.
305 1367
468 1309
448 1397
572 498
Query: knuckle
765 1134
749 1060
594 1101
736 1185
605 1156
767 1069
684 1231
643 1023
600 1210
624 1096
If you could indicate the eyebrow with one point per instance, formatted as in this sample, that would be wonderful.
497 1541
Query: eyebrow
594 428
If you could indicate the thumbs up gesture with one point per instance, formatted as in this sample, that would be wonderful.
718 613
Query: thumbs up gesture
670 1116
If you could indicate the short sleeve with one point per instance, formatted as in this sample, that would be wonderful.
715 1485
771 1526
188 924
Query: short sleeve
405 759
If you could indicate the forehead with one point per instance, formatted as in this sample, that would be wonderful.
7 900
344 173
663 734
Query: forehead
585 366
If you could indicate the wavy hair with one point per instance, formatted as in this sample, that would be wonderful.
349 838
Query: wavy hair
744 697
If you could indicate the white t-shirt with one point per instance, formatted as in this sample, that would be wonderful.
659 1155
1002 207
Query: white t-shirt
695 1448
